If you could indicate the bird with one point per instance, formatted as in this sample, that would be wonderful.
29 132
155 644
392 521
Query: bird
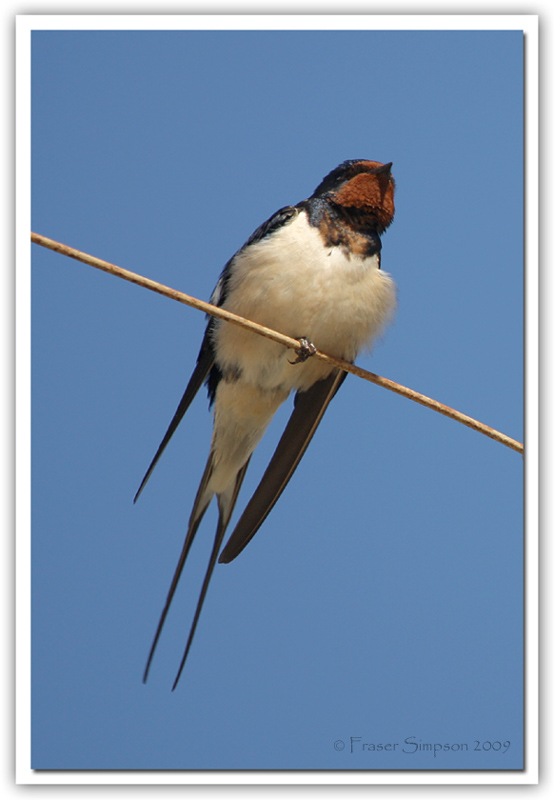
313 272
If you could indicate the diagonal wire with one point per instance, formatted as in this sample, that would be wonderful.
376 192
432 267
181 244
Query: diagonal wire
280 338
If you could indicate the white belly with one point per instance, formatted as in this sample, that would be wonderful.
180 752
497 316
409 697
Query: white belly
290 282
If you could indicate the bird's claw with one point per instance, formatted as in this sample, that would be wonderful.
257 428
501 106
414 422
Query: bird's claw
304 351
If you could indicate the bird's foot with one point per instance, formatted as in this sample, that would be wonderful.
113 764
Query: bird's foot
304 351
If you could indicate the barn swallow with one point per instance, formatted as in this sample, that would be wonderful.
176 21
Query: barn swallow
311 271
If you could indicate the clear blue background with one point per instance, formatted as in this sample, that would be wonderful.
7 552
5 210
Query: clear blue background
382 598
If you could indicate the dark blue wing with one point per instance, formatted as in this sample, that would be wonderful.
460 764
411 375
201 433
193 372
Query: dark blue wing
273 224
309 408
206 368
204 364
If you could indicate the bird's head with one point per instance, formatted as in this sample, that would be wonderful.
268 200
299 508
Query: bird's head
364 185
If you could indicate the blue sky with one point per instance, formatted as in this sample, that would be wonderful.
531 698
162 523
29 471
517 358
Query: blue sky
382 598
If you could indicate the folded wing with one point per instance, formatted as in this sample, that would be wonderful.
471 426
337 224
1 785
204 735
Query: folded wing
204 364
309 407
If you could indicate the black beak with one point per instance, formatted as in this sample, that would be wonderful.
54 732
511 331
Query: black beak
384 170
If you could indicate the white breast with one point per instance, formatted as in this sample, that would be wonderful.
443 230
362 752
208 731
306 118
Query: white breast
291 282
